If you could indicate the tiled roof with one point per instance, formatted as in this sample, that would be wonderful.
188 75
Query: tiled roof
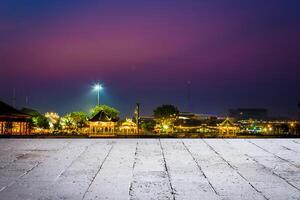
9 111
101 116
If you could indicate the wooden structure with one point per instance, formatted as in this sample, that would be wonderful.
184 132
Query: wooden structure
13 121
128 127
102 125
228 128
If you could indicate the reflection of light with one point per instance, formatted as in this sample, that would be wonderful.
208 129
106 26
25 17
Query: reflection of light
270 129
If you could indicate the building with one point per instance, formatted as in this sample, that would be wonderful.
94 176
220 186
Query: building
248 113
128 127
195 123
188 122
189 115
102 125
228 128
13 121
145 119
187 125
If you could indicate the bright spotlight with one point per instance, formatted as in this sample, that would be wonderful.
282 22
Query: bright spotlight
98 87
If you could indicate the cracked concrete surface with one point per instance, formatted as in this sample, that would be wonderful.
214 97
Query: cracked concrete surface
149 169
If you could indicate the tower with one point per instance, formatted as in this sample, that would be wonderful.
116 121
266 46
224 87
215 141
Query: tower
137 116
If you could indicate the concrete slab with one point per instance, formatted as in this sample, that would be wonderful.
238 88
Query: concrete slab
149 169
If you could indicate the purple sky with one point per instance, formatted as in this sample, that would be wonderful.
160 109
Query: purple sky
234 53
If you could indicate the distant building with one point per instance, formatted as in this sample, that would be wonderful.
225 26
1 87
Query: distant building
195 123
188 115
248 113
187 122
187 125
13 121
149 118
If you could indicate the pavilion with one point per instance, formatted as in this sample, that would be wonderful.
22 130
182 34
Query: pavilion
228 128
128 127
13 121
102 125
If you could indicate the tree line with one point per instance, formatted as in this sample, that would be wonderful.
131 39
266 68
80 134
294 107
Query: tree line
164 116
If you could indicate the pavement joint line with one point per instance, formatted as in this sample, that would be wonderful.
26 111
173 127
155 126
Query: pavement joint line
98 171
256 165
273 154
19 177
28 171
73 161
296 142
269 169
133 166
167 171
18 158
283 146
289 149
13 161
236 170
32 150
199 167
274 173
65 146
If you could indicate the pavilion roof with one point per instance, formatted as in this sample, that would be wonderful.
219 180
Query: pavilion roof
30 111
128 122
102 116
8 112
227 123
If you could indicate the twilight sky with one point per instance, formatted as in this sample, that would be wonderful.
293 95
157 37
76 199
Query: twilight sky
234 53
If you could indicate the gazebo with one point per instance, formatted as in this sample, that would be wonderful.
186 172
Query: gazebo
228 128
128 127
13 121
102 125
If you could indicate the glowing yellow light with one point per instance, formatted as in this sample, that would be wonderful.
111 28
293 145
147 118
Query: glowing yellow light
165 127
292 124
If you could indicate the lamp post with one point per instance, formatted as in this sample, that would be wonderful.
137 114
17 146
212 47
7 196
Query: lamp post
98 87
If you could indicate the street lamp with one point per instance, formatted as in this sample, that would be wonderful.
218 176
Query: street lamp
98 87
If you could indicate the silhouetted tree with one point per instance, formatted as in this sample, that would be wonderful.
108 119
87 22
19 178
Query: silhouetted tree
165 112
148 125
165 116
